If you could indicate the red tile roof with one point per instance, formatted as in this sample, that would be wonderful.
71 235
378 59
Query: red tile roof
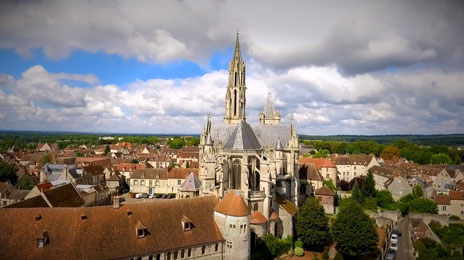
44 186
318 162
456 195
181 173
130 166
257 218
108 233
442 200
233 205
274 216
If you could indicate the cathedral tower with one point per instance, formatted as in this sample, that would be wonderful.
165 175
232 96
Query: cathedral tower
235 94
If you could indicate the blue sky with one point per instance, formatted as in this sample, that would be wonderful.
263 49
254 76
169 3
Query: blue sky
160 66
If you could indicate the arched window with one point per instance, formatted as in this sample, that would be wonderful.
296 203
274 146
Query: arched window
235 102
234 180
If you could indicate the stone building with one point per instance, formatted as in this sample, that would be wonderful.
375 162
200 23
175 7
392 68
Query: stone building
258 160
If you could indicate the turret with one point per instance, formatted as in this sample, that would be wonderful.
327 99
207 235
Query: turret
232 217
279 155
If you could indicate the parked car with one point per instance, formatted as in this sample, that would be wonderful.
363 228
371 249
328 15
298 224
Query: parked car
139 196
151 196
133 195
395 231
394 246
394 238
391 255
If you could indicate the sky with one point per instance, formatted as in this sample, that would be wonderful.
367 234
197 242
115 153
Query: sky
337 67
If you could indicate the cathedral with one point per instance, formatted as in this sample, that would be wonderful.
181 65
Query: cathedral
259 160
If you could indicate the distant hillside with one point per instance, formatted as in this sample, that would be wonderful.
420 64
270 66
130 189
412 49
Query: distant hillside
449 140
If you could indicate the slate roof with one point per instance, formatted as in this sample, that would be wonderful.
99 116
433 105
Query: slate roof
267 135
191 183
242 138
108 233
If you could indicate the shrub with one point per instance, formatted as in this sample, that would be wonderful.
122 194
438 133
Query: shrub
276 246
299 243
298 251
325 255
454 217
338 256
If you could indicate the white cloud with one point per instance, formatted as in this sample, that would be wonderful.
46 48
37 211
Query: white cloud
322 101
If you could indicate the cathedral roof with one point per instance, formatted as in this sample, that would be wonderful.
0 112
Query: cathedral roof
232 205
242 138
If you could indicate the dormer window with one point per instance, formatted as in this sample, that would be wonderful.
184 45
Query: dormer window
186 223
141 230
43 240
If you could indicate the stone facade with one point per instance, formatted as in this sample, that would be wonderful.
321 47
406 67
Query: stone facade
258 160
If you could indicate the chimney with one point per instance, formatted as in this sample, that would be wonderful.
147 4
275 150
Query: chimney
116 202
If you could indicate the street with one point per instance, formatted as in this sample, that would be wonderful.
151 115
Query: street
405 250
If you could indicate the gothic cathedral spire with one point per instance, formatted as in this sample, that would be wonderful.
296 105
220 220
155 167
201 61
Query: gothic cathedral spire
235 95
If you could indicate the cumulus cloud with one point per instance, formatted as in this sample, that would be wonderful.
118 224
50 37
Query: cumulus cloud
356 36
322 101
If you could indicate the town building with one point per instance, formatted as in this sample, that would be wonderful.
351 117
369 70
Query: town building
352 166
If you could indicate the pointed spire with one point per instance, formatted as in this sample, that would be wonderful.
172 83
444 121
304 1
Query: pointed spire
209 140
237 55
269 106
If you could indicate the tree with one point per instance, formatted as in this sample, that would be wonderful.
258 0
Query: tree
324 153
26 183
390 152
7 173
107 150
423 205
329 183
384 199
370 203
134 161
457 159
176 143
79 154
354 231
440 158
417 191
47 158
368 187
312 225
356 193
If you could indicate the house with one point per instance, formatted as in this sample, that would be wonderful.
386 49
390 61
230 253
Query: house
150 181
44 147
399 187
452 204
326 167
41 187
309 180
93 175
190 187
157 160
115 183
94 195
352 166
89 161
445 176
177 175
195 228
10 194
63 196
326 198
126 169
381 175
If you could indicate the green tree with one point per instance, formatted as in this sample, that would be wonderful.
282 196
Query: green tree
79 154
47 158
312 225
107 150
329 183
356 193
7 173
417 191
176 143
368 187
134 161
423 205
384 199
440 158
26 183
276 246
457 159
324 153
355 233
370 203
